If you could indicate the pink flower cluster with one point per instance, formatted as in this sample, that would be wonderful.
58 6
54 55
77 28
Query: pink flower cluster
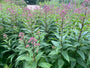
1 6
33 41
7 0
62 13
78 10
66 7
57 9
27 45
84 2
27 13
87 0
11 11
4 35
1 27
21 35
46 8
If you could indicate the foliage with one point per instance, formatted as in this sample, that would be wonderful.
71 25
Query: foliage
52 37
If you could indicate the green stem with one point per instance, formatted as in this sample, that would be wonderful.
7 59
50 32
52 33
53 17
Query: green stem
33 53
81 29
62 35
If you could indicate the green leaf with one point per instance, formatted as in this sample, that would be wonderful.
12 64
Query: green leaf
84 33
54 52
65 55
6 66
30 65
11 57
38 56
56 44
60 63
23 57
57 35
81 62
81 54
33 65
89 56
80 26
73 63
45 65
67 45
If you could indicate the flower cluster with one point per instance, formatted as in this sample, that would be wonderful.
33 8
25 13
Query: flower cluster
66 6
87 0
33 41
62 13
11 11
1 27
27 13
8 1
4 35
46 8
1 6
21 35
78 10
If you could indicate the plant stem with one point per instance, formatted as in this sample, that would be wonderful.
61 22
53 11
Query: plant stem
46 21
62 34
33 53
81 29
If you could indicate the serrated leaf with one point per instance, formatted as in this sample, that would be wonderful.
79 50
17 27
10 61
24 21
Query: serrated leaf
80 26
81 62
84 33
81 54
66 45
60 63
73 63
54 52
30 65
55 44
65 55
45 65
38 56
57 35
11 57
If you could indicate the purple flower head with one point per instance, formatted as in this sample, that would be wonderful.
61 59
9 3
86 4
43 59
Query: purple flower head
88 12
11 11
32 39
87 0
83 4
36 44
1 27
8 1
26 9
30 15
27 46
1 6
46 8
4 35
21 35
62 13
57 9
78 10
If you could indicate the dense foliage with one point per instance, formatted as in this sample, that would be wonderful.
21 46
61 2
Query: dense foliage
33 2
52 37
